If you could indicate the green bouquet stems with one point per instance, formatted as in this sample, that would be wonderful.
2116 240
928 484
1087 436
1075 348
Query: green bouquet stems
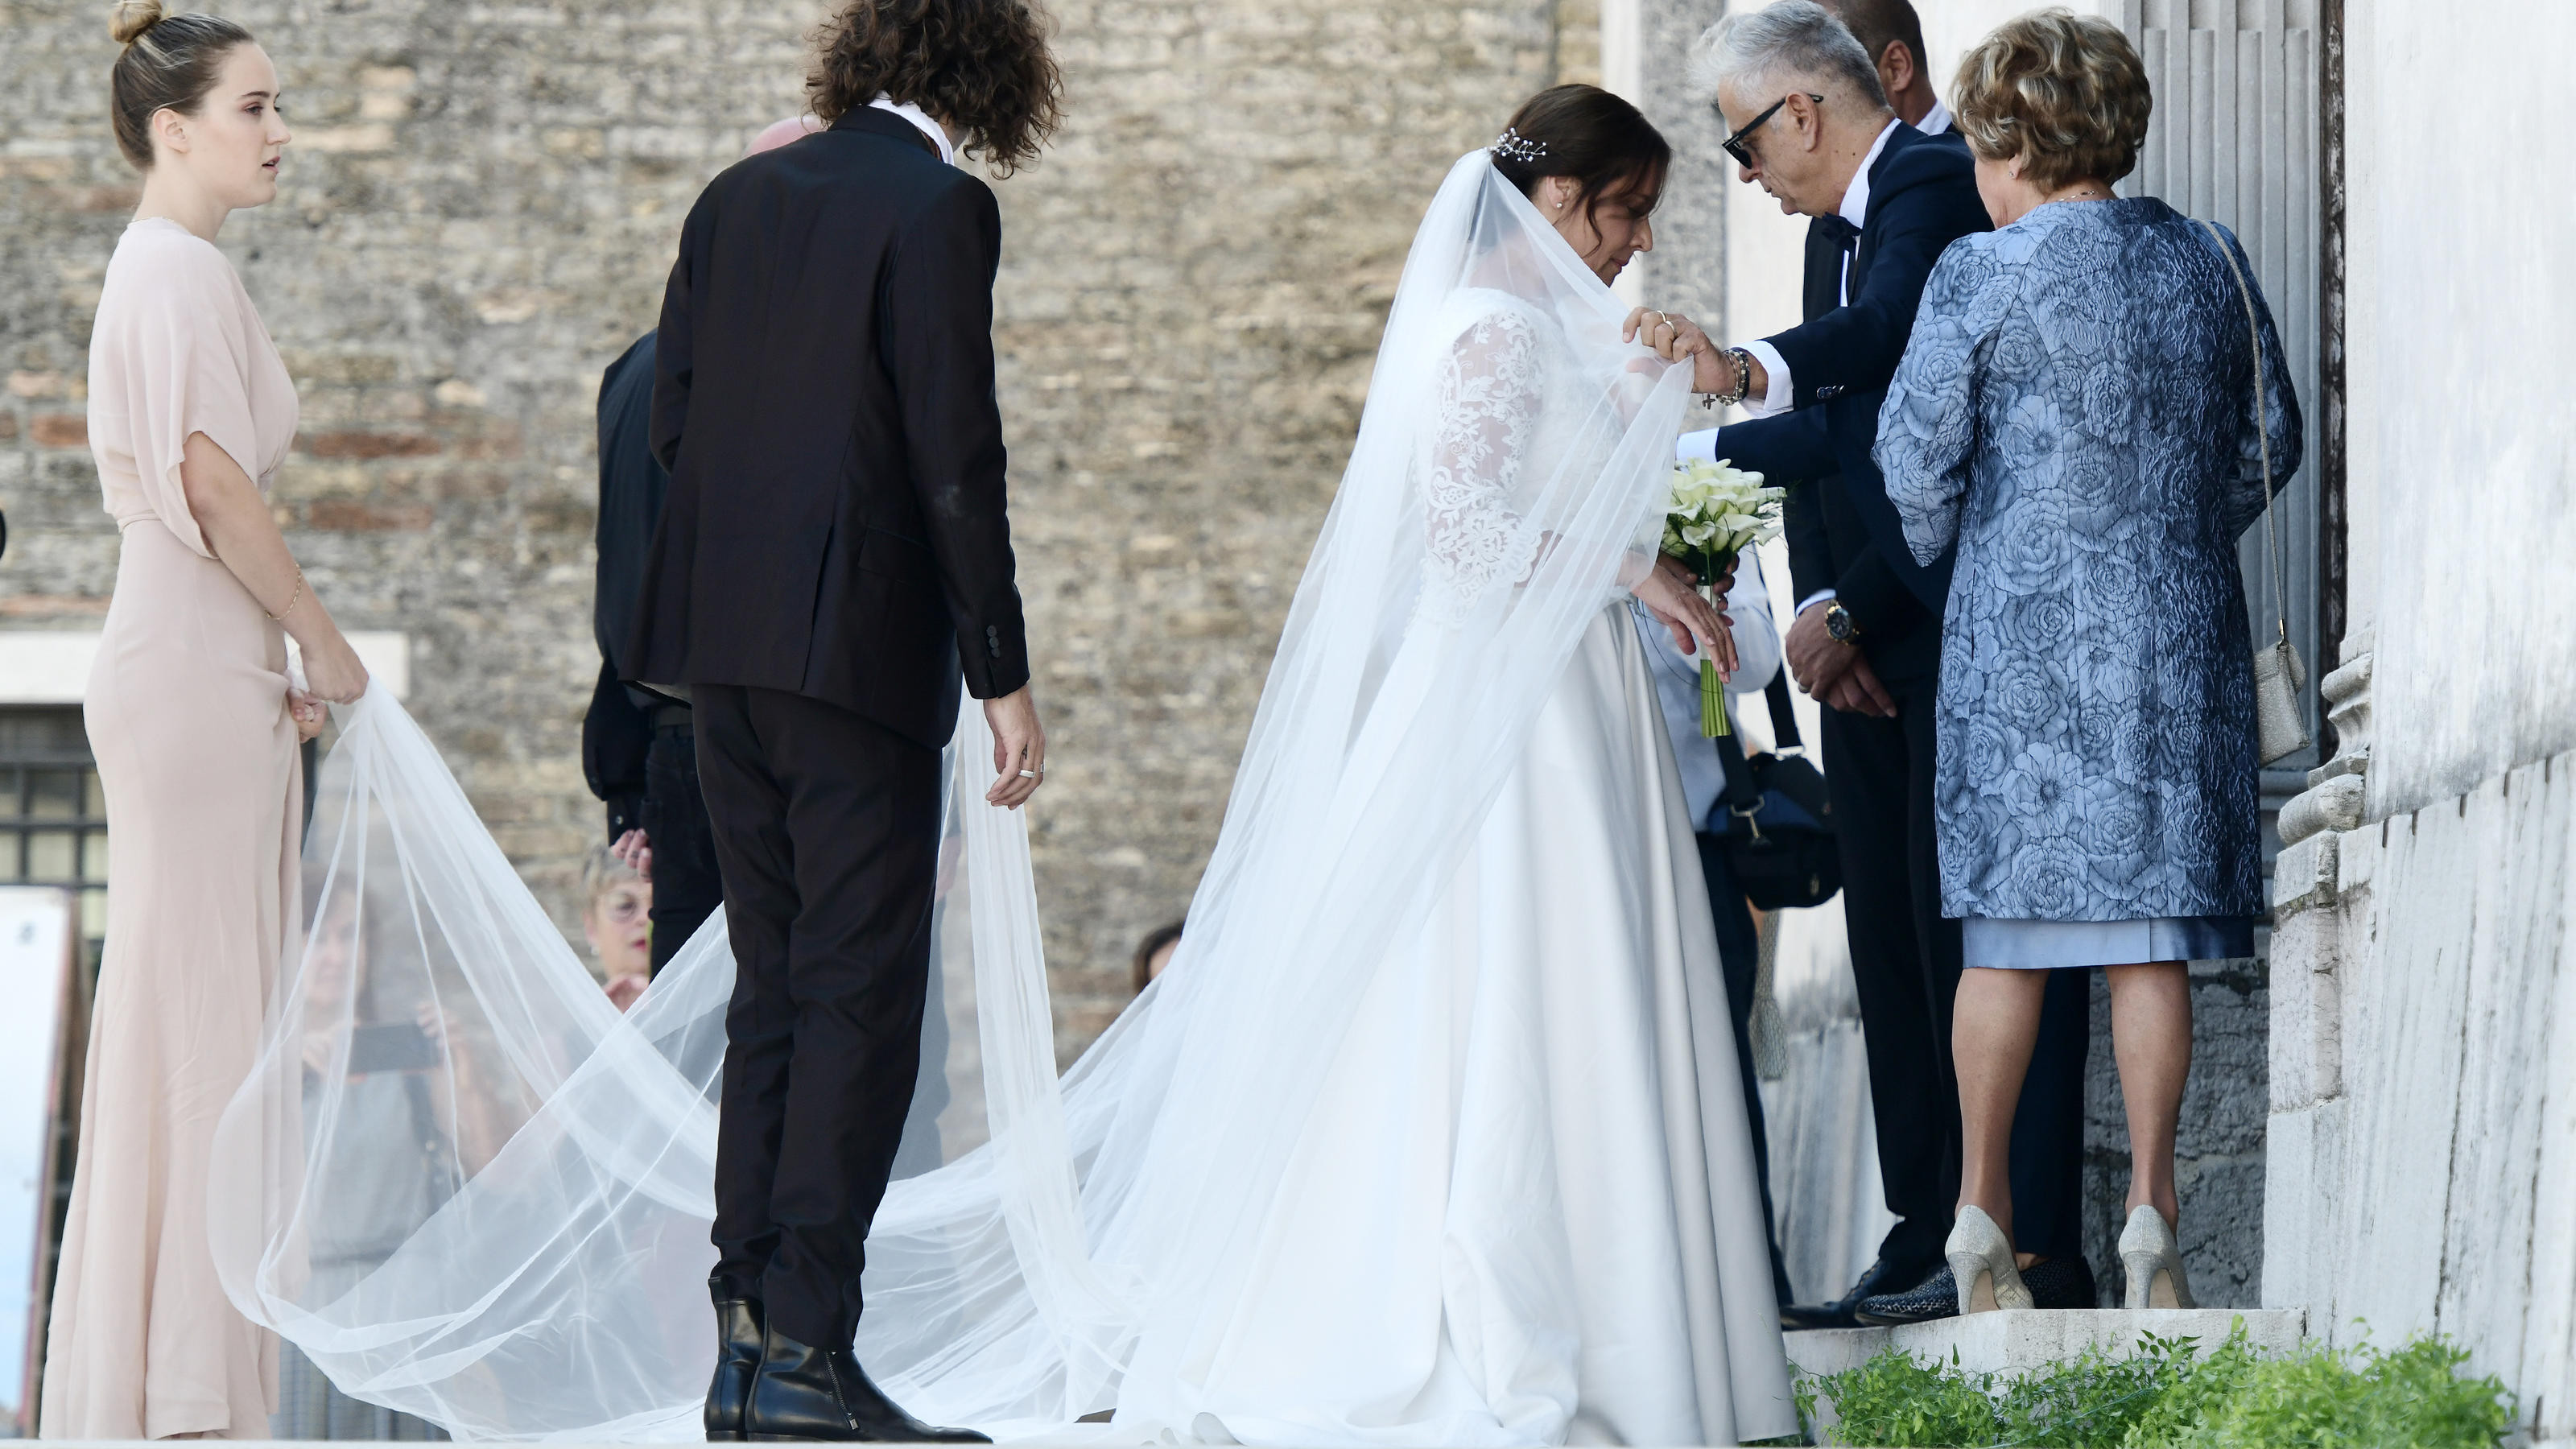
1712 690
1712 703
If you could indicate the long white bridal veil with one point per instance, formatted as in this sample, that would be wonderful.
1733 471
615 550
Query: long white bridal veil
467 1188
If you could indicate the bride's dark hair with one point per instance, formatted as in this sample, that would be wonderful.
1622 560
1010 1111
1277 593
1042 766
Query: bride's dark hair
1605 145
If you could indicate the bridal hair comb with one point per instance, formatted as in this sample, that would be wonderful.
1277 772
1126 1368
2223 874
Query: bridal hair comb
1513 146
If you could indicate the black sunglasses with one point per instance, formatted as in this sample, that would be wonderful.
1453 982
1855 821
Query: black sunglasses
1734 145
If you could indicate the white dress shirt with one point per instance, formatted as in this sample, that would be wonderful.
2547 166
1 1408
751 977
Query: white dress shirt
910 112
1676 676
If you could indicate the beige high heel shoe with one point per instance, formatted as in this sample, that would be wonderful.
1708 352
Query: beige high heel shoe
2154 1261
1981 1262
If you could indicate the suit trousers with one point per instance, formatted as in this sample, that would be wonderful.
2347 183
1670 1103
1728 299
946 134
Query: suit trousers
1905 966
687 887
826 829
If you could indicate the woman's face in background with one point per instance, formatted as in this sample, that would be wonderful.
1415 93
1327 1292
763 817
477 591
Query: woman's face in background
620 927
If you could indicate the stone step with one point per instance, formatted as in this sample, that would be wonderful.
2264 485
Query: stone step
2013 1342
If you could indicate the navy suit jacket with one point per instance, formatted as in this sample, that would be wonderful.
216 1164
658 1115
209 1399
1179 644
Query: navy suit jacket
1922 197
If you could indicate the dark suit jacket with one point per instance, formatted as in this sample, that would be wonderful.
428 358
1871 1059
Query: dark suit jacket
824 401
617 732
1843 533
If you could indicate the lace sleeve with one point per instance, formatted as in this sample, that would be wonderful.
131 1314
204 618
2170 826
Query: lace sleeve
1488 404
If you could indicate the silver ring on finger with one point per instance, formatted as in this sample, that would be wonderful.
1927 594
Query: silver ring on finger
1028 774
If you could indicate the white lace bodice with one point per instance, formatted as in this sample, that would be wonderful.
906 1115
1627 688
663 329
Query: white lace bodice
1511 403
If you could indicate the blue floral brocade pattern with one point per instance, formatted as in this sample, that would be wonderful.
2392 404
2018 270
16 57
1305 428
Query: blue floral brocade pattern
2076 411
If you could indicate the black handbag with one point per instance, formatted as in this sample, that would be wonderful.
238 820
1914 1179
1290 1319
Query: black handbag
1779 836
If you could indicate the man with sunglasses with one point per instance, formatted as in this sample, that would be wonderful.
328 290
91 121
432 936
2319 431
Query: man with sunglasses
1810 122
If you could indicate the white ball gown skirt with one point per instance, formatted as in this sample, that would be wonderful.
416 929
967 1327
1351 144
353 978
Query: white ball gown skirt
1524 1208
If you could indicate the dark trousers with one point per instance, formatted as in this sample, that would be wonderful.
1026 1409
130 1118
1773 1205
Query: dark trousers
1739 957
827 832
687 887
1905 964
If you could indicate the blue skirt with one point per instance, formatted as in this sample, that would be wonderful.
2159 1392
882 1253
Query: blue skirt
2041 945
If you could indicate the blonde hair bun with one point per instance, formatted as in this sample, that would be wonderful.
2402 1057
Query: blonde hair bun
127 20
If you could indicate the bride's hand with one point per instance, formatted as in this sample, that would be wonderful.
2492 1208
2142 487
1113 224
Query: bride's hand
1698 627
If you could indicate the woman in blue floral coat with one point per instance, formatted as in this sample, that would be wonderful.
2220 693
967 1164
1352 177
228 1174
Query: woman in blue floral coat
2076 409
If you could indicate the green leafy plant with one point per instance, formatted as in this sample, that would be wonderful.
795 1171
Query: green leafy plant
1898 1400
2168 1395
2411 1397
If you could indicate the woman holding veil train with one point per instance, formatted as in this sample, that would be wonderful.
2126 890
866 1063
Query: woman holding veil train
1431 1135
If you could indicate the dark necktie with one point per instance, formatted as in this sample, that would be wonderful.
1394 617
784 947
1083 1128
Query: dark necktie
1839 231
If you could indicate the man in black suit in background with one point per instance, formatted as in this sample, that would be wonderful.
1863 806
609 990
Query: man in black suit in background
1811 122
833 556
638 749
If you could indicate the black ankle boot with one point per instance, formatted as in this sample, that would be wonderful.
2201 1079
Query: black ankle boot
815 1393
738 1343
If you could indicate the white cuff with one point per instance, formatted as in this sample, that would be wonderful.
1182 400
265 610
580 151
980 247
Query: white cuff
1812 600
1696 447
1778 393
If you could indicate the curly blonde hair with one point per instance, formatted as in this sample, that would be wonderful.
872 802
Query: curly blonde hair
2066 93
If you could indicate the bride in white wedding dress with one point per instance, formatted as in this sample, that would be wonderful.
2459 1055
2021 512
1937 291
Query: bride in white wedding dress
1432 1133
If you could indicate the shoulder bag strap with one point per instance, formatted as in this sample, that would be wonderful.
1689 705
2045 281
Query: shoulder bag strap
2262 430
1743 792
1784 720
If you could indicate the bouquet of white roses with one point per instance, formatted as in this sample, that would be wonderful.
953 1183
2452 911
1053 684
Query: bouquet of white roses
1717 512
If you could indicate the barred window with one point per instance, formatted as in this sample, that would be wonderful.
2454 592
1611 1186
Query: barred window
53 819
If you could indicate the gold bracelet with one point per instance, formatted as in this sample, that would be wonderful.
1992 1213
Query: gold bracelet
292 599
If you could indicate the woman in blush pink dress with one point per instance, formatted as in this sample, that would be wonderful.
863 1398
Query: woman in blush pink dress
195 725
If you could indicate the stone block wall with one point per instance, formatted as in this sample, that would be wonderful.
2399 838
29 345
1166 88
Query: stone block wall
2424 1107
477 216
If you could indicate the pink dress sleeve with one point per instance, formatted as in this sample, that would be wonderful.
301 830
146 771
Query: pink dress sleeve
182 365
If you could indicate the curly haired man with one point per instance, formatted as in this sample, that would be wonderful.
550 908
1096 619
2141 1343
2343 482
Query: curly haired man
834 553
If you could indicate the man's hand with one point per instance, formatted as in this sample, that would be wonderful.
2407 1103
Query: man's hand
1859 692
1675 337
635 848
1019 748
1817 660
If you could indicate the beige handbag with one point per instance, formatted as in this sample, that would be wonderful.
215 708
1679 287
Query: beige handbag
2280 722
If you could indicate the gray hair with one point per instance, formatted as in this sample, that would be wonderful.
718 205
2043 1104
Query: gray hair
1794 42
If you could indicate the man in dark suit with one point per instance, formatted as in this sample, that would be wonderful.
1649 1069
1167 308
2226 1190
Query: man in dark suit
1810 122
833 556
638 749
